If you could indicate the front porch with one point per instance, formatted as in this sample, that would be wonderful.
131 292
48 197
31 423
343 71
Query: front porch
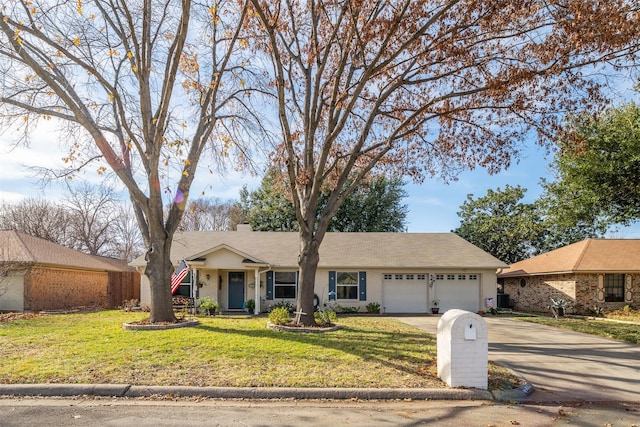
231 289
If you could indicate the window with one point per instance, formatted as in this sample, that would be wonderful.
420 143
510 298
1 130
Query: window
451 277
614 287
388 276
285 284
398 276
409 276
462 277
421 277
473 277
347 284
439 276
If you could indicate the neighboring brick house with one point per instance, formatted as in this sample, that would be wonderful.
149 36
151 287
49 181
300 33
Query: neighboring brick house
591 275
37 275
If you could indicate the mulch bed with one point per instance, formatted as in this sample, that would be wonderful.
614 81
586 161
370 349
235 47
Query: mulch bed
145 325
9 317
294 327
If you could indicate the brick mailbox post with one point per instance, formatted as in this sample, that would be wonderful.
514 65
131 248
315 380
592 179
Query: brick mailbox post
463 354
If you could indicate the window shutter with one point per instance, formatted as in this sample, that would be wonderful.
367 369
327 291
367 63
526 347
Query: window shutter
269 285
332 286
362 281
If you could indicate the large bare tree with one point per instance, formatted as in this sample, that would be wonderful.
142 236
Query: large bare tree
210 214
93 212
37 217
424 88
141 89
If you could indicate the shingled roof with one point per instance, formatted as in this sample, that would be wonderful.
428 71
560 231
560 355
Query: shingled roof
22 248
591 255
361 250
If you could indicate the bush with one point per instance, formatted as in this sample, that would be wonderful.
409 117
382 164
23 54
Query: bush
325 317
207 306
283 304
279 316
129 304
373 308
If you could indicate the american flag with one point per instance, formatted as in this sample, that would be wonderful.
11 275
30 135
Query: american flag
178 275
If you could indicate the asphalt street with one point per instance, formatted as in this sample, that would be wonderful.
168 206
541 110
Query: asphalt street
294 413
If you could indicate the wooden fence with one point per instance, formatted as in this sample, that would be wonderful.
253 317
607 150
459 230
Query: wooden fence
123 286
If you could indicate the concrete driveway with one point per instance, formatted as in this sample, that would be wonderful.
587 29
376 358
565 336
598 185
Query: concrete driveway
561 365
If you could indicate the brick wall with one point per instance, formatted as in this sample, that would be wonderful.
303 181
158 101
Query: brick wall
580 290
537 292
54 289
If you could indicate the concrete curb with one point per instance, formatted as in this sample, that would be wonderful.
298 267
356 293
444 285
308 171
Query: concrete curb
124 390
102 390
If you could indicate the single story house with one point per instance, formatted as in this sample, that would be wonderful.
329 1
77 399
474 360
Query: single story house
403 272
592 275
36 275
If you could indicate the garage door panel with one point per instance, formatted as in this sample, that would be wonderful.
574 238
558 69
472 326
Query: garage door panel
404 296
460 294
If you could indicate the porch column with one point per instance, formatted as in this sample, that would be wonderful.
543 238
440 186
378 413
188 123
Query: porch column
256 273
194 288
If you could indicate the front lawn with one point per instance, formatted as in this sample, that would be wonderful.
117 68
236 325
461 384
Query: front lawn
93 348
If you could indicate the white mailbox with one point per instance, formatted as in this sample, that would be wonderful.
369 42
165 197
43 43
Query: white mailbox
463 349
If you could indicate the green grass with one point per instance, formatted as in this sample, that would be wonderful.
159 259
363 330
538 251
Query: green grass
619 331
93 348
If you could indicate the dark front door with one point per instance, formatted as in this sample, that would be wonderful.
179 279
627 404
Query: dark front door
236 289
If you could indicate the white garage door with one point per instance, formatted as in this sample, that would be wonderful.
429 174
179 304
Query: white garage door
458 291
13 287
404 293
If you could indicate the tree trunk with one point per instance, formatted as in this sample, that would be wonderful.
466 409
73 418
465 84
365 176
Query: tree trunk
309 258
158 271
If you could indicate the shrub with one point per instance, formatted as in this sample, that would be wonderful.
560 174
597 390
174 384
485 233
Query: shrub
325 317
207 306
373 308
283 304
279 316
129 304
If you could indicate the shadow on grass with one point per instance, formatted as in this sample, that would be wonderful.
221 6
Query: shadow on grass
406 352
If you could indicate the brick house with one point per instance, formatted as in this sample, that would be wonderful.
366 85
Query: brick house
591 275
36 274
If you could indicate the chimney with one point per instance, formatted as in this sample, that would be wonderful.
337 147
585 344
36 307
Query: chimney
244 227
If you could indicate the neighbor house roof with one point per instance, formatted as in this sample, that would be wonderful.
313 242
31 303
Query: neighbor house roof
591 255
358 250
22 248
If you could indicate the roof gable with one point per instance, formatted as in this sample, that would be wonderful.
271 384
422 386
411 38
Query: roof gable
590 255
222 247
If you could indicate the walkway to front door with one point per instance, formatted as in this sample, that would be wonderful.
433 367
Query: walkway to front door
236 290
